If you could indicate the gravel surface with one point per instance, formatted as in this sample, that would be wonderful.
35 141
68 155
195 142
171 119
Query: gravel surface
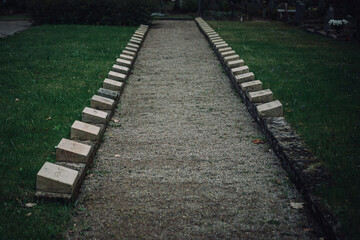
178 160
8 28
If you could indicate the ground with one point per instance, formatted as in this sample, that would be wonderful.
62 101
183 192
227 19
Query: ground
178 160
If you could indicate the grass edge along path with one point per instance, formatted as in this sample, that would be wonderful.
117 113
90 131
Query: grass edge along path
47 76
318 82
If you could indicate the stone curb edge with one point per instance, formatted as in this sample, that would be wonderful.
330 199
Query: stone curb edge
296 158
74 156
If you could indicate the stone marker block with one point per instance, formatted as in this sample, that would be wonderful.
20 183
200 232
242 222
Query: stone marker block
133 45
131 49
90 115
127 57
222 45
239 70
270 109
120 69
251 86
262 96
132 40
130 53
226 49
213 35
245 77
231 58
141 33
236 63
106 93
117 76
212 39
217 41
113 85
102 103
123 62
137 38
84 131
56 179
71 151
228 53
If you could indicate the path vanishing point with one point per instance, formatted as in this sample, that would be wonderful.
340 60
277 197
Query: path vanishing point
178 160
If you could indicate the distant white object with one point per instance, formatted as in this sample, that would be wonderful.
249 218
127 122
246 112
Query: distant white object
157 15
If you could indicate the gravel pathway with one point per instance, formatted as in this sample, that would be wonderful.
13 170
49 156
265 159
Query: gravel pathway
178 161
8 28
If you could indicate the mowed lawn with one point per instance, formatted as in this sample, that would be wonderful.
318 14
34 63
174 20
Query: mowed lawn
318 81
47 76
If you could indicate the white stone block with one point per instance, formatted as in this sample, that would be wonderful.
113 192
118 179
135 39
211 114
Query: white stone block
270 109
123 62
91 115
222 45
113 85
131 49
117 76
226 49
227 53
245 77
138 36
126 57
56 179
132 40
120 69
130 53
262 96
71 151
84 131
231 58
235 63
132 45
239 70
251 86
217 41
212 39
102 103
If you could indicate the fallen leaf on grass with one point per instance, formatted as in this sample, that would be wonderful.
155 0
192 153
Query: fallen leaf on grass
307 229
28 214
48 118
17 100
117 155
115 120
295 205
258 141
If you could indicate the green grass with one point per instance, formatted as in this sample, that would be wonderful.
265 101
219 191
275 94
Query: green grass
47 76
318 81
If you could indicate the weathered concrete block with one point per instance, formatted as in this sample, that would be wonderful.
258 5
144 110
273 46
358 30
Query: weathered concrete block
213 35
56 179
117 76
132 40
251 86
137 38
222 45
262 96
102 103
123 62
141 33
270 109
113 85
108 93
126 57
90 115
226 49
131 49
217 41
84 131
120 69
130 53
228 53
239 70
133 45
212 39
235 63
231 58
71 151
245 77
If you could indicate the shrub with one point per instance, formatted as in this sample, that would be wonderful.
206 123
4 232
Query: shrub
92 12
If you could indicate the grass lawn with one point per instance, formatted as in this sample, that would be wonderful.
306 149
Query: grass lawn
318 81
47 76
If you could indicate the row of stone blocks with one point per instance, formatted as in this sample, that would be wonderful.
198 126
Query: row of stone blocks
74 156
252 89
